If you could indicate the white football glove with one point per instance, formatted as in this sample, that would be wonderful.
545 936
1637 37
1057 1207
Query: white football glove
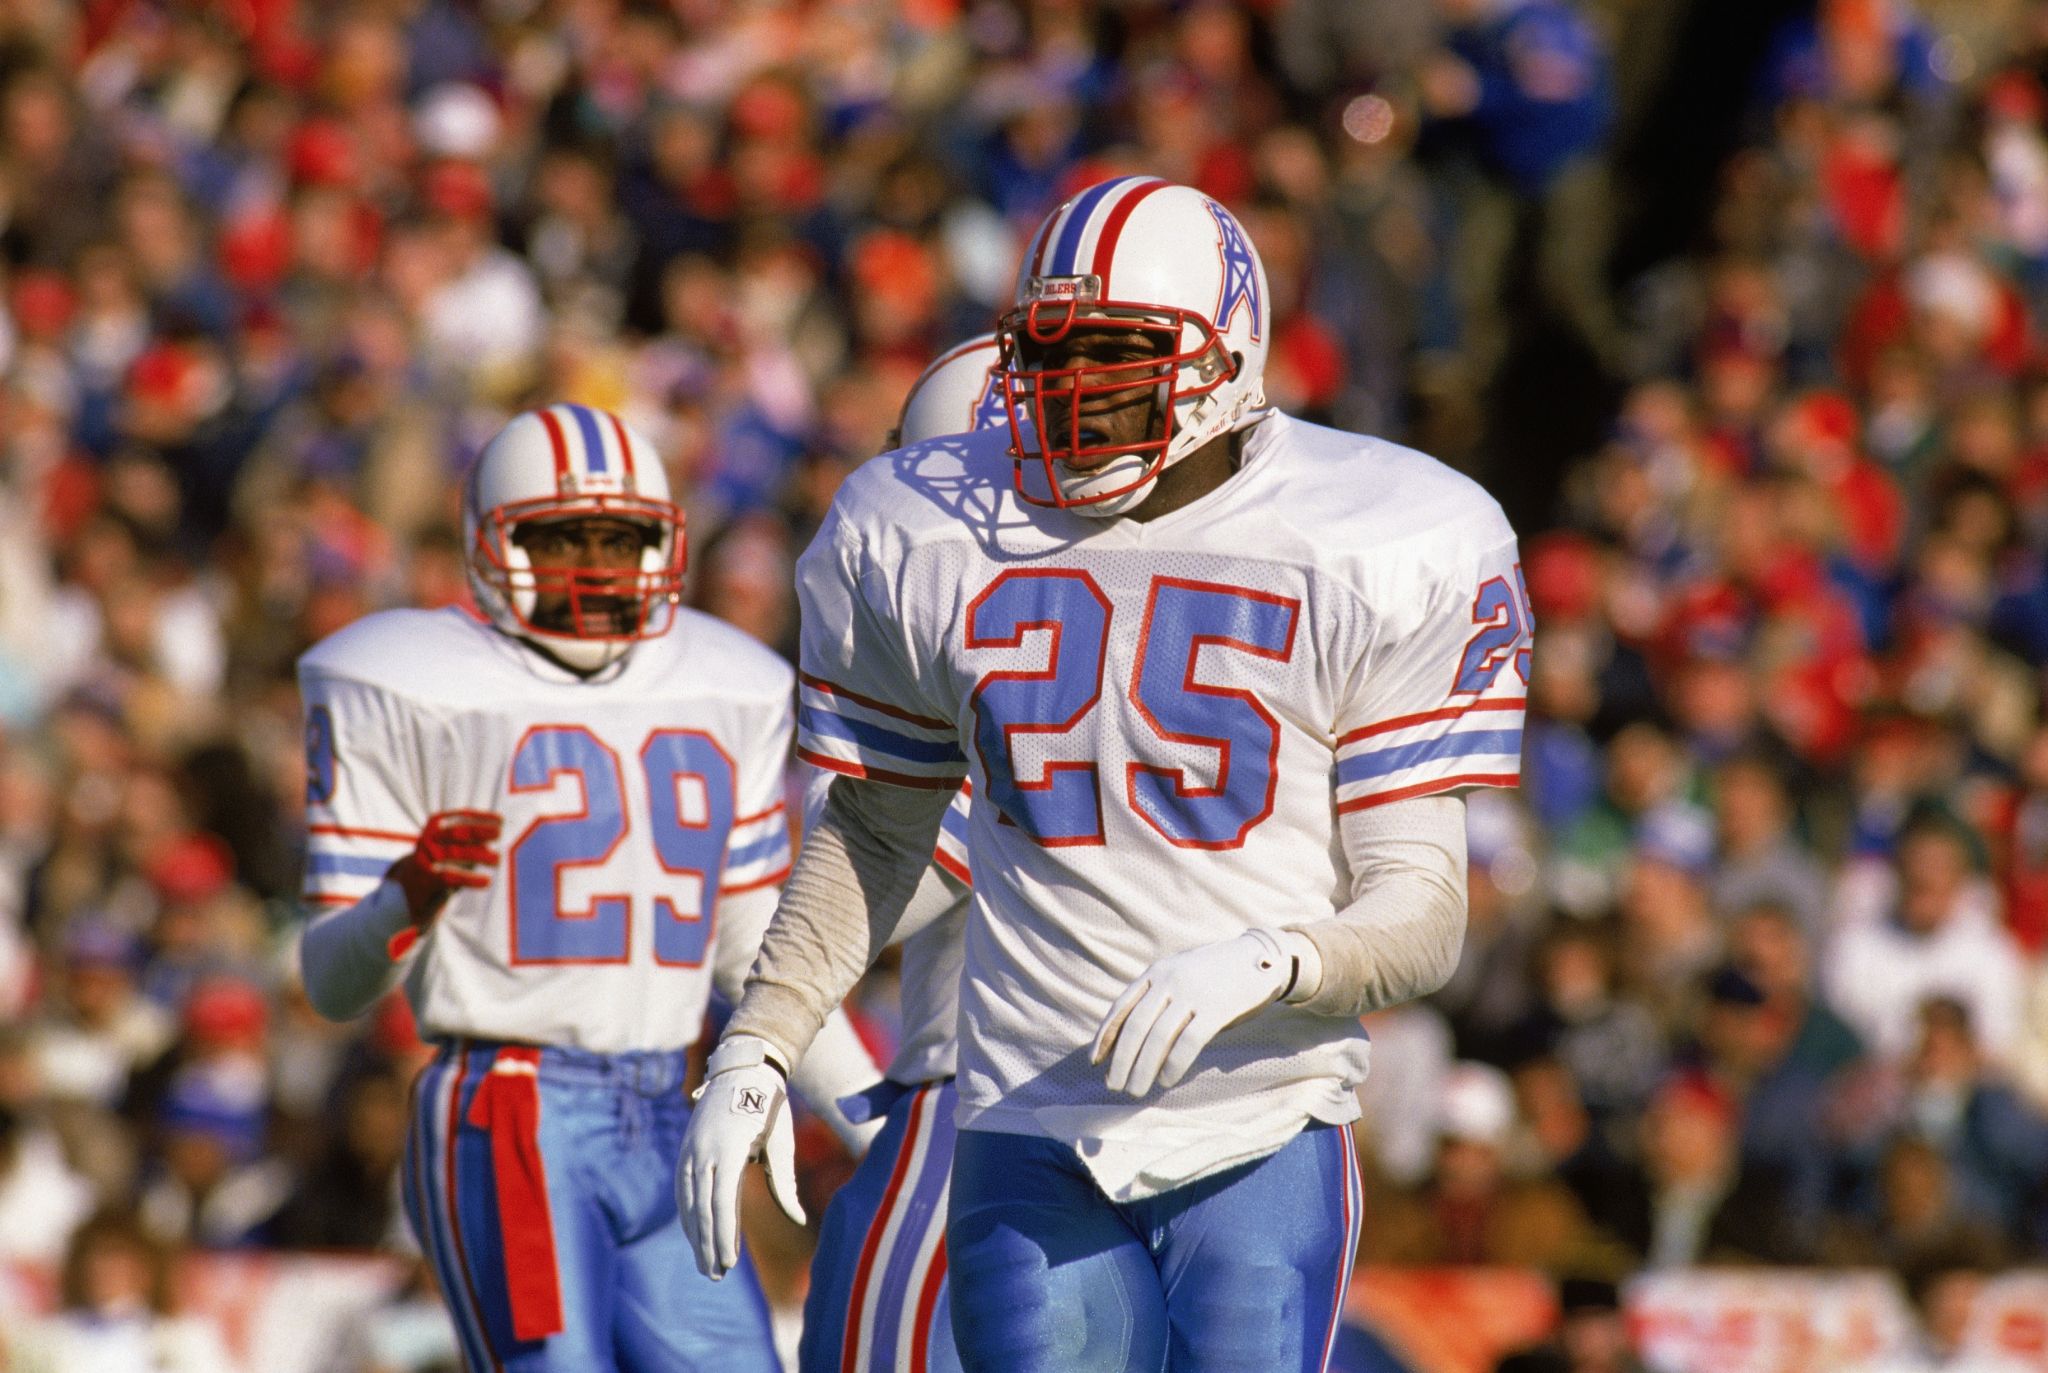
1180 1003
742 1113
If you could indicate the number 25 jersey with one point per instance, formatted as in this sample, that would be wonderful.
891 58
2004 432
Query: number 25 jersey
632 804
1162 722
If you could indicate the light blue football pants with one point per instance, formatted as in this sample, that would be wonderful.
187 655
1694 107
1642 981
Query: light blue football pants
1243 1272
515 1152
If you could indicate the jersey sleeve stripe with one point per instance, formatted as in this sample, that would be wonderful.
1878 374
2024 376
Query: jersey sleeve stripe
327 898
872 738
1468 779
758 815
1427 717
347 865
954 866
349 832
1383 762
757 883
767 846
849 768
880 707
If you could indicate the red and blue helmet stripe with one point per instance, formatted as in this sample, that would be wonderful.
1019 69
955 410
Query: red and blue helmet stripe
1066 247
590 446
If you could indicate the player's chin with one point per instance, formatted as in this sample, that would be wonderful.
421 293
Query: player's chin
1098 449
598 618
606 618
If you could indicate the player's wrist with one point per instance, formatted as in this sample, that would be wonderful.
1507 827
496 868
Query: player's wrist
1291 961
737 1051
424 893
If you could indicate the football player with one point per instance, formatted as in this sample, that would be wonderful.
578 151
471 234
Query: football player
878 1280
1220 678
560 823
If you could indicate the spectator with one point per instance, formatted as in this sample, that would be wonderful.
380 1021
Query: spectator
102 1030
1759 860
1700 1205
1529 80
1995 1146
42 1200
1611 1044
1562 1140
1412 1053
1668 932
1770 946
1745 1049
117 1312
348 1198
212 1184
1470 1210
1917 1216
1929 944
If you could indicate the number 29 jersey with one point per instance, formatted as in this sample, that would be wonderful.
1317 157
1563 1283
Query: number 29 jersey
632 805
1162 722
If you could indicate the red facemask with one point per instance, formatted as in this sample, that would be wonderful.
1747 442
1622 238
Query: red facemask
1049 407
603 604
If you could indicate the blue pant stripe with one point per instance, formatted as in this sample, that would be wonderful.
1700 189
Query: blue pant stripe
474 1195
925 1202
898 1280
432 1202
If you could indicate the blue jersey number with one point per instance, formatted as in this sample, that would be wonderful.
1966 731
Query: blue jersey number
1502 614
689 839
692 842
1065 806
1181 617
319 756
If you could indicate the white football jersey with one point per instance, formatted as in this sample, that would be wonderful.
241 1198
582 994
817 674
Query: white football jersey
631 805
1162 723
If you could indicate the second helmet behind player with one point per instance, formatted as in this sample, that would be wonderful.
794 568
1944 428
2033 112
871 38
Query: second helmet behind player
955 395
1174 274
549 467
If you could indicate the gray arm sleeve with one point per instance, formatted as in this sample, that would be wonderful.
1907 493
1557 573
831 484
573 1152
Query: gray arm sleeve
860 866
836 1063
1400 936
344 958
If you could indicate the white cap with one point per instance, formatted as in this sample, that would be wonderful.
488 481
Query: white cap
456 119
1476 1103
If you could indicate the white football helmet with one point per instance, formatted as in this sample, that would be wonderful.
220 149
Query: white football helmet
956 395
1152 257
571 462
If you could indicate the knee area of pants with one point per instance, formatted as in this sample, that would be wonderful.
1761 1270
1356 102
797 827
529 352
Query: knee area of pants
1237 1311
1248 1287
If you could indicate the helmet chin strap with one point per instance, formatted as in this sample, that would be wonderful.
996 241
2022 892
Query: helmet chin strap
584 657
1125 470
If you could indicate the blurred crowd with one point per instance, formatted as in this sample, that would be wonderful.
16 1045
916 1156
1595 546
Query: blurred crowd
1755 971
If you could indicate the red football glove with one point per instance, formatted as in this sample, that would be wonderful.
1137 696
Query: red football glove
456 848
